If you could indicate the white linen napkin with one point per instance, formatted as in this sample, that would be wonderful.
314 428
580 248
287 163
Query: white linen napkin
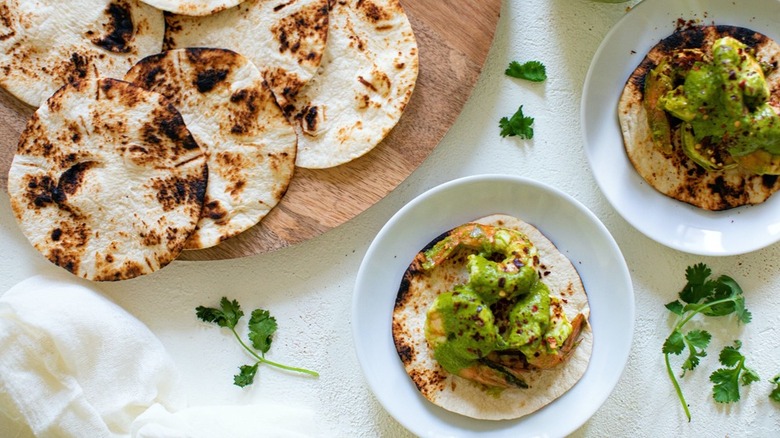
75 364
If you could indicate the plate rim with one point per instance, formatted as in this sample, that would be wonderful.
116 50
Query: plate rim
524 183
695 10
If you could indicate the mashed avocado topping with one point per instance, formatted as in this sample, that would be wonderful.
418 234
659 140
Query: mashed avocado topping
503 306
721 101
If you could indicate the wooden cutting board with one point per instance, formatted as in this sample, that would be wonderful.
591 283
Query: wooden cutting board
453 36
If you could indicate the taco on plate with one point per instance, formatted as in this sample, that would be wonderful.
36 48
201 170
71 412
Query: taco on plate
491 320
699 117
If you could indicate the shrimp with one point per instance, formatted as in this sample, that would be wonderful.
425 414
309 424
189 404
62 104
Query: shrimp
553 357
504 264
505 369
460 328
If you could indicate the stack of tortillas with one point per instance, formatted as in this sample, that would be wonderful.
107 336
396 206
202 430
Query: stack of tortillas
163 131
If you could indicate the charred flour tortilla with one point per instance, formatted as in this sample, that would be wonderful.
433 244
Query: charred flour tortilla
366 79
675 174
107 182
45 44
232 114
284 39
420 288
193 7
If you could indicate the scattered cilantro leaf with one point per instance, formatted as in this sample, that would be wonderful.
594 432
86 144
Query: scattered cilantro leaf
533 71
261 326
727 380
226 316
775 394
517 125
709 297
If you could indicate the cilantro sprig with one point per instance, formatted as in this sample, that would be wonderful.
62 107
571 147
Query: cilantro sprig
533 71
517 125
261 326
727 380
700 296
775 394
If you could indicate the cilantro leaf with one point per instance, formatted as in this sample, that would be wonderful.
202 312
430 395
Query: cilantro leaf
675 307
533 71
725 389
246 375
227 316
698 287
726 380
518 125
775 394
675 343
730 356
748 376
261 327
697 341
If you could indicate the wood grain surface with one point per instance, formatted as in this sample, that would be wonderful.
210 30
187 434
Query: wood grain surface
453 36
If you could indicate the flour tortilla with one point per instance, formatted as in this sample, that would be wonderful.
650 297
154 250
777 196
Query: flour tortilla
45 44
365 81
676 175
284 39
107 182
232 114
418 291
193 7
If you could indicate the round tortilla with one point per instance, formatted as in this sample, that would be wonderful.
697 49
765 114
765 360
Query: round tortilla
107 182
365 81
675 175
420 288
46 44
193 7
285 40
232 114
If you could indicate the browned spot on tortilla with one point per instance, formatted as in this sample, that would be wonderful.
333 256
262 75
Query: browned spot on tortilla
285 86
174 191
208 79
67 250
296 32
118 31
213 209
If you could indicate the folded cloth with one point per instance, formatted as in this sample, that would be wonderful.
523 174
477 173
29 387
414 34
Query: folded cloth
74 364
267 420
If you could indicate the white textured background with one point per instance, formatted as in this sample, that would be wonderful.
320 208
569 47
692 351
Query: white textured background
309 287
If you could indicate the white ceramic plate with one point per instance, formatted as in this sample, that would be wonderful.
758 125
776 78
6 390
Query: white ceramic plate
665 220
570 226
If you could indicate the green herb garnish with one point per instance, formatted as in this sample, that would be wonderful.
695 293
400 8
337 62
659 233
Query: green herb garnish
701 295
261 329
727 380
518 125
532 71
775 394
